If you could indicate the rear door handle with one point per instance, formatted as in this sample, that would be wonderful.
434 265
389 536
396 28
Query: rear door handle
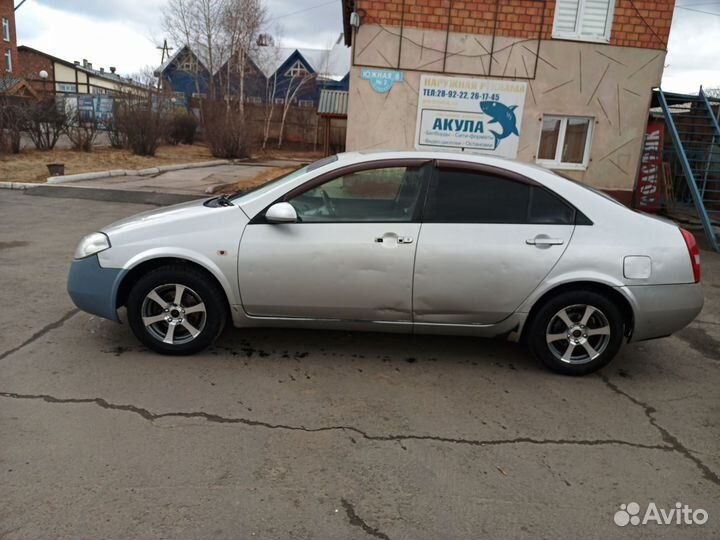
544 240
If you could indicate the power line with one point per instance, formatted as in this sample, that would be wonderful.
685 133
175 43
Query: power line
303 10
699 11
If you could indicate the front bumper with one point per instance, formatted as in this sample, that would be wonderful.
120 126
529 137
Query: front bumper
94 288
661 310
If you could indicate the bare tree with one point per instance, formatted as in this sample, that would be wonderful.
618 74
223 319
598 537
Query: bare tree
198 24
294 85
712 92
242 22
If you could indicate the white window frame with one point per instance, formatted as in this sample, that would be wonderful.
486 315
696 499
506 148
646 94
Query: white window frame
67 88
577 35
556 162
8 60
6 29
298 69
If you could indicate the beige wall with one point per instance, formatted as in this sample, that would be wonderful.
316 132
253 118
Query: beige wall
611 84
85 81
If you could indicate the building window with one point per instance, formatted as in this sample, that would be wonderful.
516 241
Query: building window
279 101
583 20
6 28
297 70
8 60
253 99
565 142
67 88
306 103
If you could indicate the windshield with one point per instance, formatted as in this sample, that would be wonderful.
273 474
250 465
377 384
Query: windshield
258 191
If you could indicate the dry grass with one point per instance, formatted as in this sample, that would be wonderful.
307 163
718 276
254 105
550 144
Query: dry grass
263 178
30 165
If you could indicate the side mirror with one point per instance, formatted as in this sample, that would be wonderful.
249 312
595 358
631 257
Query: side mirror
281 212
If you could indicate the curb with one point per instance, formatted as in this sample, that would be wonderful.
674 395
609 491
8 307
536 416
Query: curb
141 172
18 185
111 195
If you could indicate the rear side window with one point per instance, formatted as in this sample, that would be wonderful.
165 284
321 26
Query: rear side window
472 197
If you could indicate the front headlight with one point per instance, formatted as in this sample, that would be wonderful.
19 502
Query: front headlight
92 244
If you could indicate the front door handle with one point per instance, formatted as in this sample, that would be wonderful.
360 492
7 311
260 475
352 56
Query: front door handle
392 238
544 240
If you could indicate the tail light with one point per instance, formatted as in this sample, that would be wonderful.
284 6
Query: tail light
694 251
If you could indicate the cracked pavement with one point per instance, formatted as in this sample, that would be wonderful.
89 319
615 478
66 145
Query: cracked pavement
291 434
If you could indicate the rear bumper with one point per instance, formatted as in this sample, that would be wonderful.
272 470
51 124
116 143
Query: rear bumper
661 310
94 288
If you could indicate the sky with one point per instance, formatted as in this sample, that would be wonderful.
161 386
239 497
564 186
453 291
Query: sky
125 33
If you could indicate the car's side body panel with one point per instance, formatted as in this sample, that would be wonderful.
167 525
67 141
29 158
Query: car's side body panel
479 273
354 271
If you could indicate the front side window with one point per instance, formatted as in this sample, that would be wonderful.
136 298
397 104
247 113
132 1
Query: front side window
462 196
8 60
6 29
583 20
377 195
565 142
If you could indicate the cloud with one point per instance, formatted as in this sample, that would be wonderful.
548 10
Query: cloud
121 33
693 52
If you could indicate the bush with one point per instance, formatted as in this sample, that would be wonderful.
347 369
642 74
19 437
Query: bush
82 134
115 135
227 134
44 123
182 129
11 124
142 128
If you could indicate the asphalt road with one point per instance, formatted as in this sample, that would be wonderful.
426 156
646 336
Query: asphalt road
289 434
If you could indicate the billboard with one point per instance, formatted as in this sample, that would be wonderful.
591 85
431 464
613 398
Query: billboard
469 114
648 196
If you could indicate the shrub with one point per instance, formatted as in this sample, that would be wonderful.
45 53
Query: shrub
227 134
182 129
44 123
141 126
12 113
82 134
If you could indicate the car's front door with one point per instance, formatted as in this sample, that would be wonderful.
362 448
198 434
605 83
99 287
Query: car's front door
487 242
350 254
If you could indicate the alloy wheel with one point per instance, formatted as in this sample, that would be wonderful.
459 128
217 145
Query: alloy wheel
173 313
578 334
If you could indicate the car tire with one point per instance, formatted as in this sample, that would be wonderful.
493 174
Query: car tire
576 332
176 310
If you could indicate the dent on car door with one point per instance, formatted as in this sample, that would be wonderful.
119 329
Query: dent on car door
487 242
349 256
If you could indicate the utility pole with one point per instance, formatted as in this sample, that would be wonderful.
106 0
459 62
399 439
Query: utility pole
165 52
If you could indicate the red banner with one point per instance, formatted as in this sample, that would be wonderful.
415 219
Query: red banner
648 192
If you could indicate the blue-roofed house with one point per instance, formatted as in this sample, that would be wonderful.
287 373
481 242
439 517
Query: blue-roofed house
184 72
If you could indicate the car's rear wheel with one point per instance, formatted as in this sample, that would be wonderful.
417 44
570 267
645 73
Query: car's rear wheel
176 310
576 332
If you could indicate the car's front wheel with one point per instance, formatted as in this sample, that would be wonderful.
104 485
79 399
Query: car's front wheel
576 332
176 310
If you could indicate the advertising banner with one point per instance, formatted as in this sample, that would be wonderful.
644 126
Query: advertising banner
469 114
647 191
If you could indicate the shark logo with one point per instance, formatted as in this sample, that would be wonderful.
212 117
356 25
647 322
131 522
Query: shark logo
503 115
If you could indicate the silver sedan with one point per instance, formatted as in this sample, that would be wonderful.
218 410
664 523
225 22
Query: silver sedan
410 242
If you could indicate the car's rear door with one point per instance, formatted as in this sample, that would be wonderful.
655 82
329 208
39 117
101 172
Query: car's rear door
350 255
488 239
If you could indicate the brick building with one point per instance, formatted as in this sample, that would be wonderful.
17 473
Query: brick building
8 37
571 80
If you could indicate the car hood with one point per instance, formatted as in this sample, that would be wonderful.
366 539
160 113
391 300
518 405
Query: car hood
169 215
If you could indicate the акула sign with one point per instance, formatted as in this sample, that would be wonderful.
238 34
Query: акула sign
476 115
